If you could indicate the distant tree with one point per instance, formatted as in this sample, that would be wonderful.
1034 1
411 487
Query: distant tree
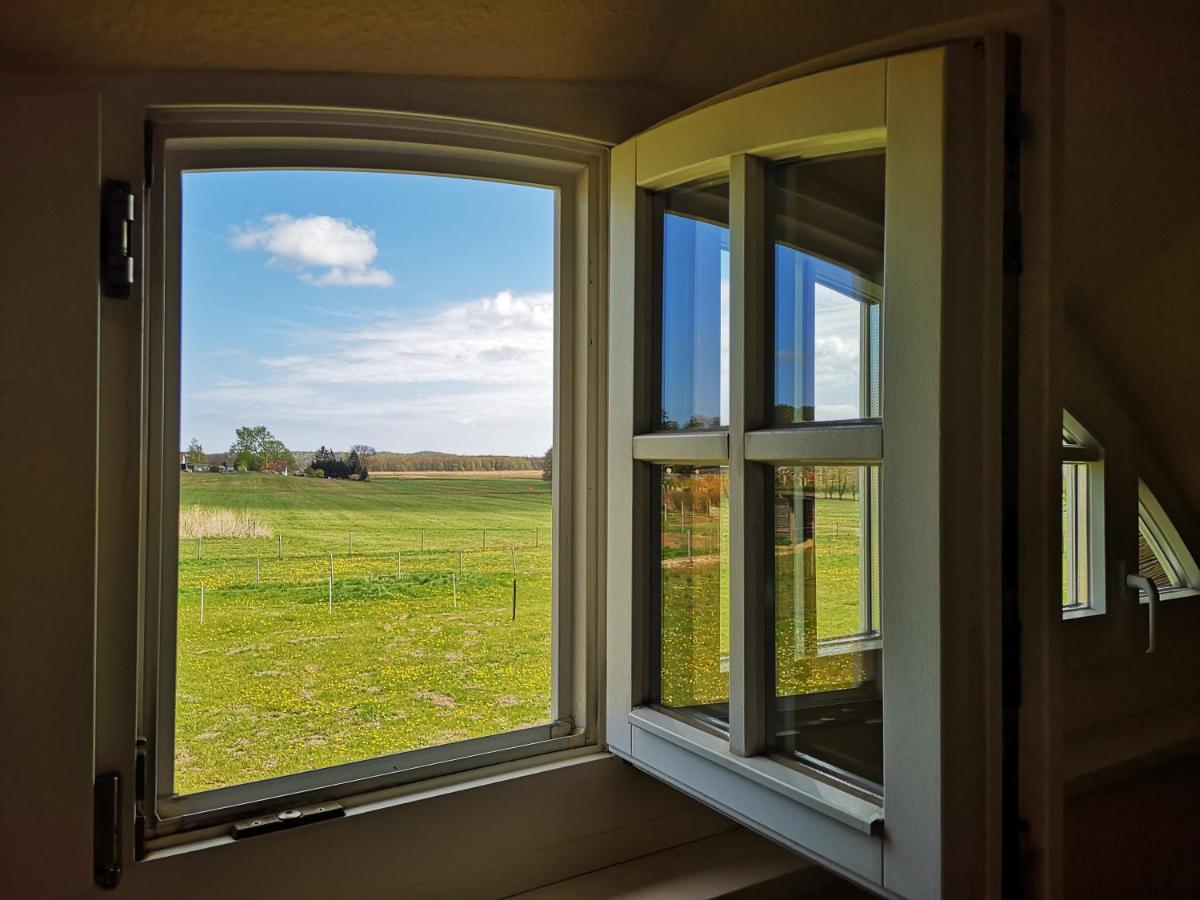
255 447
548 465
331 464
195 454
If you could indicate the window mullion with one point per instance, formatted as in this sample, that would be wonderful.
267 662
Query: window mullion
749 482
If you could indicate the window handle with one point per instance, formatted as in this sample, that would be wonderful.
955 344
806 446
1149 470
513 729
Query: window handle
1142 583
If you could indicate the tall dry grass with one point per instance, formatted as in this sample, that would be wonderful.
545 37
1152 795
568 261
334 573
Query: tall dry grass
207 521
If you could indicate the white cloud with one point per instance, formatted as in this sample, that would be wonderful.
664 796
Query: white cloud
468 377
342 249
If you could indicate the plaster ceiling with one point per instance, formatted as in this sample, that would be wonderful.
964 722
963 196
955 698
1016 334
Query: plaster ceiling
614 40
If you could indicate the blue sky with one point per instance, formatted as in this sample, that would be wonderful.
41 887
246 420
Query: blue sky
408 312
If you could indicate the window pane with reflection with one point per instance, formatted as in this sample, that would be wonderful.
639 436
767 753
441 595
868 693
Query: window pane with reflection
826 224
695 306
694 588
826 705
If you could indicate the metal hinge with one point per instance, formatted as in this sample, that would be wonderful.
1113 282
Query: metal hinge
139 800
116 239
106 835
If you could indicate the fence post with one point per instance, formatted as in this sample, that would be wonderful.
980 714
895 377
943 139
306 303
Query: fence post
454 587
537 537
485 539
422 540
514 618
460 562
202 603
330 582
258 570
200 547
689 539
279 552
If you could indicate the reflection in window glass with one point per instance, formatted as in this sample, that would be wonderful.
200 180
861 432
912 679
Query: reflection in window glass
826 222
340 596
694 611
695 306
1076 525
826 706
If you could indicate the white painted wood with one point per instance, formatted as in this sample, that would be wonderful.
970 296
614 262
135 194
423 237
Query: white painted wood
940 660
826 444
818 836
691 448
622 638
208 139
910 507
830 112
860 811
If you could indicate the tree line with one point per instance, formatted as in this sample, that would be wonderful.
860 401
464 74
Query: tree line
256 449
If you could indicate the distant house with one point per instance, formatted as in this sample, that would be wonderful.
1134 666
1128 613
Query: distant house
183 465
278 466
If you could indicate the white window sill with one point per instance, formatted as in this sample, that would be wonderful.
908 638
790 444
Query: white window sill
400 795
1080 612
836 802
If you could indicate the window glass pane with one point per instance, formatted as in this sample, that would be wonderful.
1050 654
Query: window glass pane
1153 562
1076 531
392 592
695 306
826 706
694 586
826 225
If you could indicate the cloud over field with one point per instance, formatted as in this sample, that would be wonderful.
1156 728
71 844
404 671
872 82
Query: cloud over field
467 376
341 250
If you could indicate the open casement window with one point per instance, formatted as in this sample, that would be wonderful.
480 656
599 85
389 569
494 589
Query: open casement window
803 552
1162 555
409 574
1083 583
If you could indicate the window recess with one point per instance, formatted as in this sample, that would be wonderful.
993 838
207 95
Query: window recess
1083 557
788 541
1163 557
526 565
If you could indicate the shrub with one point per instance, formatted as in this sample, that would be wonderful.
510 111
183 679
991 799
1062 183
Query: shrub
208 521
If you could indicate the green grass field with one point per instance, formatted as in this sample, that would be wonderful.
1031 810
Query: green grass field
274 681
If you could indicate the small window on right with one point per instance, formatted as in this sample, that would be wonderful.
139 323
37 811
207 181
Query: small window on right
1082 520
1162 555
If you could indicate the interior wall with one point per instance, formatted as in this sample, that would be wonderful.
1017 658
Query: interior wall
1130 231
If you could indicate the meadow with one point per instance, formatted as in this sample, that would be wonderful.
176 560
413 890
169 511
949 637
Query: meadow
276 680
418 645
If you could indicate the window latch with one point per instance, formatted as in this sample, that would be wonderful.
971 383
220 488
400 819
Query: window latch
116 239
1142 583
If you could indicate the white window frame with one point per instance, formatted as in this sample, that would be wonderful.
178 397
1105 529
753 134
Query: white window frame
224 138
933 110
1154 522
1086 450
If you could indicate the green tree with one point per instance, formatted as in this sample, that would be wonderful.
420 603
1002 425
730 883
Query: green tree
195 453
255 447
548 465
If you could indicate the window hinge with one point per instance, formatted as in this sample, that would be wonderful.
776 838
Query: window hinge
116 239
106 836
139 800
